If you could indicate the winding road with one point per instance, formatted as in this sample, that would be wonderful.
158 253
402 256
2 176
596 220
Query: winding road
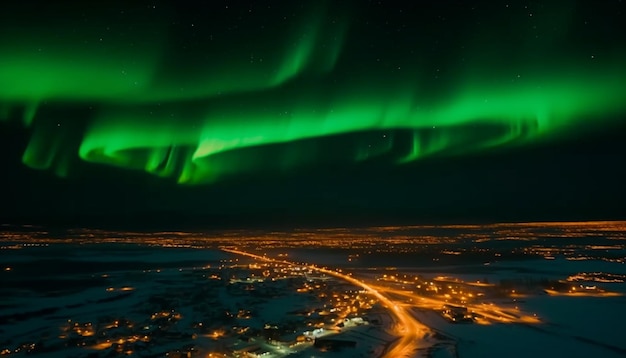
413 334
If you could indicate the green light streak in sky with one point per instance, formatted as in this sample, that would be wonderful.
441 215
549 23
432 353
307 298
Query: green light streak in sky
248 106
514 112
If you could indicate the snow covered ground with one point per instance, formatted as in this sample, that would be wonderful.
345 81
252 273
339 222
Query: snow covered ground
42 287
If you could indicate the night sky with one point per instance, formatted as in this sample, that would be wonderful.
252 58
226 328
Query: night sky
263 113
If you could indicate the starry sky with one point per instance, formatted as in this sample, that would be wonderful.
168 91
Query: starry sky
237 114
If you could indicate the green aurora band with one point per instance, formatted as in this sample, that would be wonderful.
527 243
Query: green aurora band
246 106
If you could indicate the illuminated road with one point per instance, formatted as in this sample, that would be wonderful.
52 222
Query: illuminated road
410 331
489 311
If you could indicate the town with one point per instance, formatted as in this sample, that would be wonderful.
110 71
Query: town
173 295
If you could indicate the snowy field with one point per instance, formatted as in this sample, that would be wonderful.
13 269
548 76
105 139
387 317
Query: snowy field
561 292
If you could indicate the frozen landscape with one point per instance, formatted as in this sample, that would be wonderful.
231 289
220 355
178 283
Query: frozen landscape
512 290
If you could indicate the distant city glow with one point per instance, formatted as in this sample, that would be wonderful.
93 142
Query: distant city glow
397 291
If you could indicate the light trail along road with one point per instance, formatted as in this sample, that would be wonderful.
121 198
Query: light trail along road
413 334
490 312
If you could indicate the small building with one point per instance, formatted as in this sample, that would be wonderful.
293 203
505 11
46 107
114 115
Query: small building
329 344
457 314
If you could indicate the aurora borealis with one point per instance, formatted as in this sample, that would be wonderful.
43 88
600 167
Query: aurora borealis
214 93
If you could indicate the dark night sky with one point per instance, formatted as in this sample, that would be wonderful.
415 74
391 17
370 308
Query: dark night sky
301 113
